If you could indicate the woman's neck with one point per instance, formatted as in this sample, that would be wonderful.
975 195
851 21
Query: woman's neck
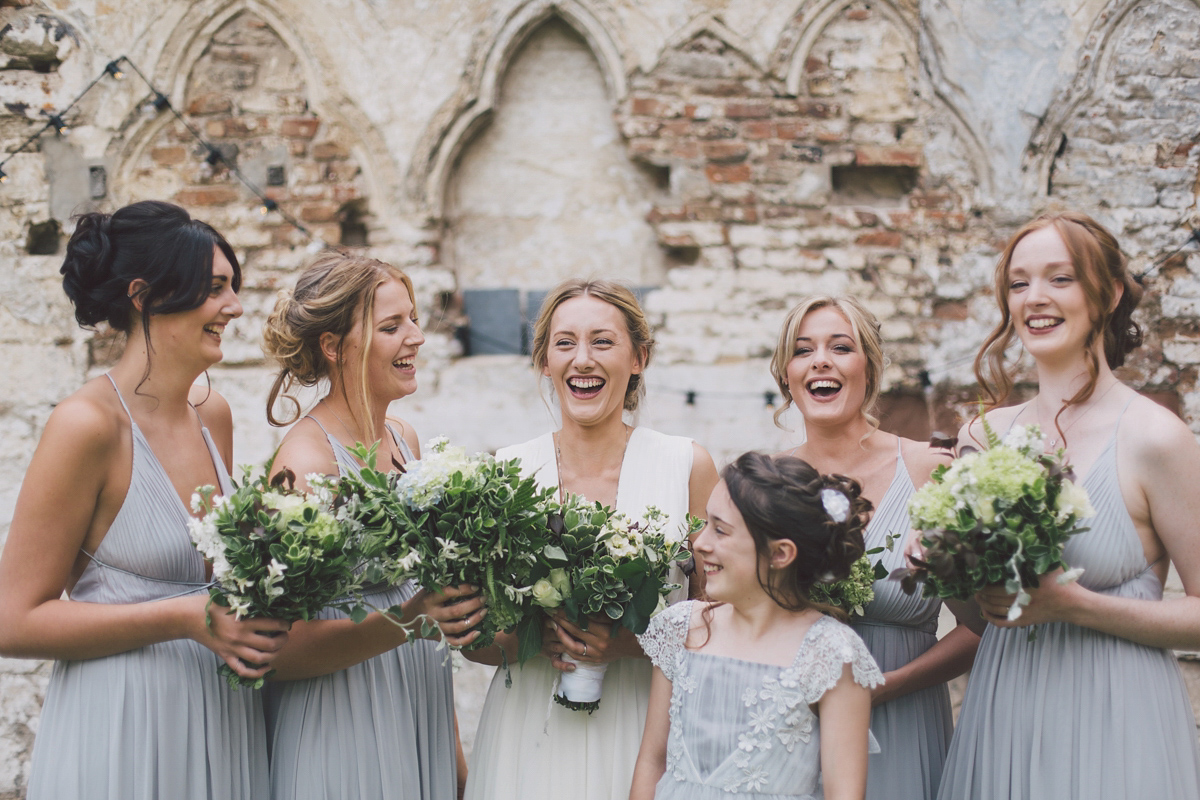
826 443
350 419
601 442
1059 381
162 389
756 615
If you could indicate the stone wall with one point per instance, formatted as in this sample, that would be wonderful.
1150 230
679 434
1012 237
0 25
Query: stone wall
729 156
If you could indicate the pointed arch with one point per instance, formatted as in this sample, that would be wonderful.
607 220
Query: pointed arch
171 67
814 16
471 107
1096 55
714 26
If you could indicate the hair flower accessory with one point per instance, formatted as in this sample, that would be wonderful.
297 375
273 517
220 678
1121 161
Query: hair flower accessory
837 505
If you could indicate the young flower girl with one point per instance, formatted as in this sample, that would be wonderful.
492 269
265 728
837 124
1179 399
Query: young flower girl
759 693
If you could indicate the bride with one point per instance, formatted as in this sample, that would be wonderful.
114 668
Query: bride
592 341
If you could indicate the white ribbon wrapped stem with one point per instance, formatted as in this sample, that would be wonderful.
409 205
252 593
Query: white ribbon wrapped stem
583 685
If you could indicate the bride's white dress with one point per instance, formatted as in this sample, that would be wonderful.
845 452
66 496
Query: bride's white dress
530 748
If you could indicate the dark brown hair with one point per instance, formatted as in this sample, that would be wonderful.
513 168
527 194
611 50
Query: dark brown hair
780 498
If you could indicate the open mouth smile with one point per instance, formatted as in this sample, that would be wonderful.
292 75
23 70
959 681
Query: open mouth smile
823 388
214 330
585 387
1039 324
406 363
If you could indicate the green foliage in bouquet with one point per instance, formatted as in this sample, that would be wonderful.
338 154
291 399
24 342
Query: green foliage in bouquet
451 519
852 593
277 552
599 563
1000 516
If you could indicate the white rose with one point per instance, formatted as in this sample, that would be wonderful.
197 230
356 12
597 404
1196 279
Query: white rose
545 595
1073 499
560 581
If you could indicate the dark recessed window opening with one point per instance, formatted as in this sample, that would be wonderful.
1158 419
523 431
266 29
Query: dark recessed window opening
872 186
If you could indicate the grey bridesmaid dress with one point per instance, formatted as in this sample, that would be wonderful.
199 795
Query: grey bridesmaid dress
383 728
913 730
1076 713
158 721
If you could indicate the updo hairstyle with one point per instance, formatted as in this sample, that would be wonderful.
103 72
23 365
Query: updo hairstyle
613 293
780 498
335 293
867 337
1099 268
151 241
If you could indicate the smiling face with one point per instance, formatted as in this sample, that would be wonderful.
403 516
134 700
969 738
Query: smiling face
1048 305
827 374
590 359
195 335
390 362
727 552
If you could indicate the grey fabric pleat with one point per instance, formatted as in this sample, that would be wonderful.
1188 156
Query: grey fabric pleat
1076 713
383 728
913 730
155 722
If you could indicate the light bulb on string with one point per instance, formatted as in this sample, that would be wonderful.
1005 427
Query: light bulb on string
268 205
113 68
769 399
159 103
3 176
60 127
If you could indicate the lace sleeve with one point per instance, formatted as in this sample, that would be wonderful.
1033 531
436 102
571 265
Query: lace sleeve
819 665
664 638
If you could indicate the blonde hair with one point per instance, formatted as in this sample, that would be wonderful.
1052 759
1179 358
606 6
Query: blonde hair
615 295
1099 268
335 292
867 336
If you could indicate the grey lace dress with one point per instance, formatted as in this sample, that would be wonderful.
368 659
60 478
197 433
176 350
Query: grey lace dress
913 730
744 728
155 722
383 728
1076 713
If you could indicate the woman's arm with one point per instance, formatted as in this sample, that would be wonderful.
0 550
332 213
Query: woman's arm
1160 460
57 507
652 755
845 712
950 657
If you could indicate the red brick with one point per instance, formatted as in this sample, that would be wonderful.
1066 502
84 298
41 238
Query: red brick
683 240
300 127
720 129
858 14
832 135
657 215
951 309
780 212
813 64
319 212
747 110
676 127
169 156
932 200
725 152
643 149
880 239
643 106
344 194
728 173
702 212
329 151
792 129
866 218
876 156
207 196
687 149
758 129
210 103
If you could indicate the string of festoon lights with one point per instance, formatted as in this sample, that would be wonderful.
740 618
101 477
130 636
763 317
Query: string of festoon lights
159 102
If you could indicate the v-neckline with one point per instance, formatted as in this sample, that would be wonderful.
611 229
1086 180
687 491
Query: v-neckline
166 476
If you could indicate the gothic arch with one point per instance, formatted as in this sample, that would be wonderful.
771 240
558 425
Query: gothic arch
1096 54
170 68
810 21
471 107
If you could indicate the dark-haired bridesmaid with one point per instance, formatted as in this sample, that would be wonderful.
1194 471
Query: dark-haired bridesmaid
135 708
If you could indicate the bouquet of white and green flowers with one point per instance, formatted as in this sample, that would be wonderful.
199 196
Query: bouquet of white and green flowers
276 552
600 564
1002 515
450 519
852 593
